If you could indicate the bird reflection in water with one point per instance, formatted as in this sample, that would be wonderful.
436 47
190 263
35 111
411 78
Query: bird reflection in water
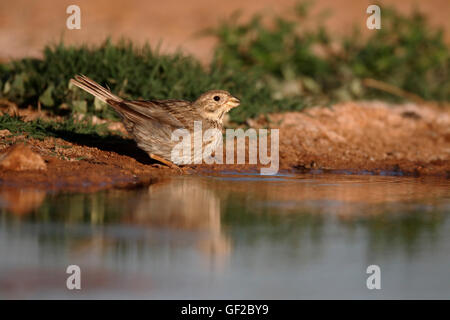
188 205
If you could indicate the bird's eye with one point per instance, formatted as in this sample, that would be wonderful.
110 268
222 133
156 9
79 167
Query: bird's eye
216 98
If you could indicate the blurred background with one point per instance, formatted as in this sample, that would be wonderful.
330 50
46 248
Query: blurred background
27 26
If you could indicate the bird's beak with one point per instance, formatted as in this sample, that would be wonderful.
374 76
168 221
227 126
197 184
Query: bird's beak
234 102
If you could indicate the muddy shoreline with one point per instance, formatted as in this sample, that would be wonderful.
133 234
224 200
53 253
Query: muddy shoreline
350 138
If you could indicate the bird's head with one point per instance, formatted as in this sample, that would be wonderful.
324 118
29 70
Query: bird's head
215 103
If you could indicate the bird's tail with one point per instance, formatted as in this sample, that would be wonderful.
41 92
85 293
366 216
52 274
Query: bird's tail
95 89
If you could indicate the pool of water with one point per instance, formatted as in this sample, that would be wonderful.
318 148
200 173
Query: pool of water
231 236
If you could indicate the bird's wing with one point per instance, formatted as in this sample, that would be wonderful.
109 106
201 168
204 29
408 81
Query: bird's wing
153 122
164 112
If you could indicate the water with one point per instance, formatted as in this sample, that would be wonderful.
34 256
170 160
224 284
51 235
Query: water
231 236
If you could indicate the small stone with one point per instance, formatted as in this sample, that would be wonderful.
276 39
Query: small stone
20 157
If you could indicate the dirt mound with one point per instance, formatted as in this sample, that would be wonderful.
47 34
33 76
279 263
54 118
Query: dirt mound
72 167
367 136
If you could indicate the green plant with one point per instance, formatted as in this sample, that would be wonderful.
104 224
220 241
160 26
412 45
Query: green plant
39 129
138 73
309 64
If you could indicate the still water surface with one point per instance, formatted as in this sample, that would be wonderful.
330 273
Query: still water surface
231 236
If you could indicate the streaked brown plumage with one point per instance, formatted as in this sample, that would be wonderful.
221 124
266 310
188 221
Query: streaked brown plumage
152 122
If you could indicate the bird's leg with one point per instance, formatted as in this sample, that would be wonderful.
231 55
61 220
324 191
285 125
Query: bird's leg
166 162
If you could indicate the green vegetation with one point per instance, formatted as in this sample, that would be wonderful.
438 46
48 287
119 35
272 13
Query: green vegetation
286 66
312 66
39 129
129 71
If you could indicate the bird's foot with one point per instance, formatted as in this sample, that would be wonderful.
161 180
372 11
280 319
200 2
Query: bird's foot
166 162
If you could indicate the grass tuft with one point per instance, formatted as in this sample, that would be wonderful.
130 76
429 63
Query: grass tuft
40 129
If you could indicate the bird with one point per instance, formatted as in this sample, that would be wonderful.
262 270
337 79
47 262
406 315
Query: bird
152 122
